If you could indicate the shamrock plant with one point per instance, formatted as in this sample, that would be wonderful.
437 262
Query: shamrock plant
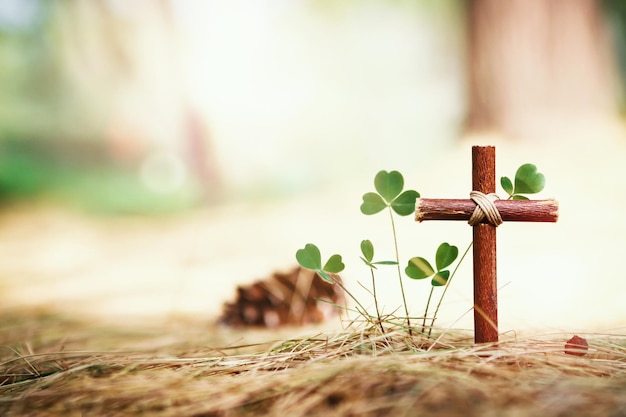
390 195
420 268
311 258
367 249
527 181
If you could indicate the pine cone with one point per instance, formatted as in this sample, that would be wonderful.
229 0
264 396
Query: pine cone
295 298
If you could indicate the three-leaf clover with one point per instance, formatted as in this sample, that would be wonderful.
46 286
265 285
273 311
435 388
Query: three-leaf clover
420 268
389 187
309 257
527 181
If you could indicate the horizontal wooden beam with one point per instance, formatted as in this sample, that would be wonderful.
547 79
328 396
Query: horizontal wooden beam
510 210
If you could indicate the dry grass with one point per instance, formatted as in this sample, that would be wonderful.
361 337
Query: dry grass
55 366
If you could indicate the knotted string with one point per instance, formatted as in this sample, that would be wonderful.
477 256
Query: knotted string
485 209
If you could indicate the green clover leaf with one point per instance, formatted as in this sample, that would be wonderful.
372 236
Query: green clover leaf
440 279
334 264
418 268
367 249
389 184
446 254
389 187
372 204
404 204
528 180
309 257
507 185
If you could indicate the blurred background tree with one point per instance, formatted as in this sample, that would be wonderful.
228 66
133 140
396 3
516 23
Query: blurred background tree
156 105
614 11
533 62
86 116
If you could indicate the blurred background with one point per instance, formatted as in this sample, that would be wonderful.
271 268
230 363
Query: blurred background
155 153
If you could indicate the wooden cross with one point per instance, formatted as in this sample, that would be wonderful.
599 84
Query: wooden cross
484 231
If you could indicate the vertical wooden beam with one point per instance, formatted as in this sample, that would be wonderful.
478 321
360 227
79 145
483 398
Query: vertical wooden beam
485 274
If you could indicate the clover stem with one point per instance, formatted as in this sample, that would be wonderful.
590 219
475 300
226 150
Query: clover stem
364 311
382 329
426 311
432 323
395 242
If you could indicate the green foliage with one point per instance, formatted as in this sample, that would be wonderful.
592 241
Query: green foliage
420 268
38 170
372 204
389 194
527 181
507 185
446 254
334 265
367 249
389 186
404 204
440 279
310 257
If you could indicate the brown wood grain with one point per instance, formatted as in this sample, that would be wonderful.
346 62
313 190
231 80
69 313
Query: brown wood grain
484 251
510 210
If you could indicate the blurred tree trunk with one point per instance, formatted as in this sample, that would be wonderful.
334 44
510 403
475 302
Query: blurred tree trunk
531 62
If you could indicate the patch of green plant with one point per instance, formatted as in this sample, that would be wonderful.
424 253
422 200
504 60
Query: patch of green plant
311 258
420 268
367 250
389 186
527 181
391 196
32 170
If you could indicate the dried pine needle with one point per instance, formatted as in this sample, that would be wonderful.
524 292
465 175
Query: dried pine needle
58 370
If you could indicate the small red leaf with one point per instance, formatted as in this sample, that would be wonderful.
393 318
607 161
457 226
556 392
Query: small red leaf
576 346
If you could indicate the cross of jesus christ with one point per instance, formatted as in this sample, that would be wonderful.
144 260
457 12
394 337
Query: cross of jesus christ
489 214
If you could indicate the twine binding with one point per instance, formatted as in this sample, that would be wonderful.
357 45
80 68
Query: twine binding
485 209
